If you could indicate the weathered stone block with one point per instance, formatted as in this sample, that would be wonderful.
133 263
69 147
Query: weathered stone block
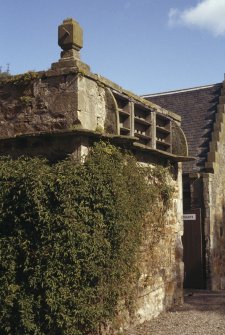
70 35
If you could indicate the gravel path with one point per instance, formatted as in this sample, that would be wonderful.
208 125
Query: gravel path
203 313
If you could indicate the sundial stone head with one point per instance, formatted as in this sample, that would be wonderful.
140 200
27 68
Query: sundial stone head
70 39
70 35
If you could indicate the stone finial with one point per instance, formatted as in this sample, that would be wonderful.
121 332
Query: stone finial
70 38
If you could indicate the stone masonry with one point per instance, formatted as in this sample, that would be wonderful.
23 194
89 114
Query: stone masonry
214 200
203 120
62 111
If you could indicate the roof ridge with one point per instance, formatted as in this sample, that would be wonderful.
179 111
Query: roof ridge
180 90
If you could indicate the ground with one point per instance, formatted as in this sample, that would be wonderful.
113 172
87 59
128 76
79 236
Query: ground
202 313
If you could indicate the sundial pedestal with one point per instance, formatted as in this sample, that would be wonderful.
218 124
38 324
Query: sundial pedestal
70 39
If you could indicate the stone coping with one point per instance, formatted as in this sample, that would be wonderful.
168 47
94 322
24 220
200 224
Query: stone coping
129 141
165 154
76 67
109 84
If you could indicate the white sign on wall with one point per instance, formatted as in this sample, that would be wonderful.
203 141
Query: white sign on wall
189 217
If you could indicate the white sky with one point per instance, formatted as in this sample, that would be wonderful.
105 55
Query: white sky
206 15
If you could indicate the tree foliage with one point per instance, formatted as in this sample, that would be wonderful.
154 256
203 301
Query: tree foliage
4 73
69 237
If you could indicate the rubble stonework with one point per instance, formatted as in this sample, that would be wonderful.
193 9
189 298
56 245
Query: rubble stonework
161 268
215 202
62 111
203 119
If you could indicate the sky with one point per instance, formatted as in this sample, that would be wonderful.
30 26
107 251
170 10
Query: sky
146 46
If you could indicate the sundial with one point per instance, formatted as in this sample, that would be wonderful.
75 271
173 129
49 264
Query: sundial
70 37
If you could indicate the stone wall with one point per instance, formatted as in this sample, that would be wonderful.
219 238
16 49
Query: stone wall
62 112
206 190
214 191
214 201
39 104
161 268
160 285
69 99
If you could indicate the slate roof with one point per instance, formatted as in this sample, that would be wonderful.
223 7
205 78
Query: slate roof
197 108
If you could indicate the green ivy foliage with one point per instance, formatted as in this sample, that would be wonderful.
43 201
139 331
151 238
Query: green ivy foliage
69 239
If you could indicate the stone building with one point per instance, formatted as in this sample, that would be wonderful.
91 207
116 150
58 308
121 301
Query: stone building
62 111
203 121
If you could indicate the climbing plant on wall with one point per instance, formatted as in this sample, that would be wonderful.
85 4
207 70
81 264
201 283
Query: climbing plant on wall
69 238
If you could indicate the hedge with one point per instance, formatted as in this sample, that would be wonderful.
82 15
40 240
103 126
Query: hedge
69 239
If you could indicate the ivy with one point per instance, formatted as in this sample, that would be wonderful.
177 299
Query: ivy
69 239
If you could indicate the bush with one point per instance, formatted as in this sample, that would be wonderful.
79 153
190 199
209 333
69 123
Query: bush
69 240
